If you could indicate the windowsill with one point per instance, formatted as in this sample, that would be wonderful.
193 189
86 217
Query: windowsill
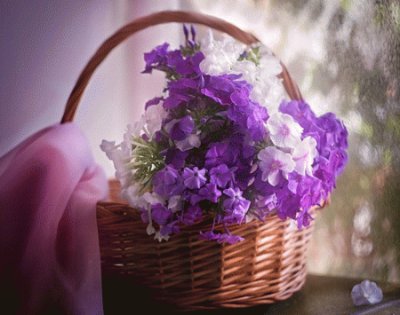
321 295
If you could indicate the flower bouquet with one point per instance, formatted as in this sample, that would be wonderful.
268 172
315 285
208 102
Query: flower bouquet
222 173
222 142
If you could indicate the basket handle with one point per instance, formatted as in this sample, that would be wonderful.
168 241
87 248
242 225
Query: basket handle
155 19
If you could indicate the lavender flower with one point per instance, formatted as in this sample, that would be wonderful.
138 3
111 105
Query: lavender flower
179 129
235 205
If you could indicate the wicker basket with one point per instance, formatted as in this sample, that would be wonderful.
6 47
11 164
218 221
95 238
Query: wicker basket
268 266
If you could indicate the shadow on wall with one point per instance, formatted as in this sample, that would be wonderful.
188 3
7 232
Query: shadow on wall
44 46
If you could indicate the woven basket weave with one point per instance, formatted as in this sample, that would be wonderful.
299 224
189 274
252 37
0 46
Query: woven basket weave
268 266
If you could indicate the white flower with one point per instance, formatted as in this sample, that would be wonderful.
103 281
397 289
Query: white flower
268 89
153 118
120 159
133 196
284 131
247 69
109 147
269 64
268 92
160 237
150 228
153 198
132 131
220 55
274 163
175 203
190 142
304 154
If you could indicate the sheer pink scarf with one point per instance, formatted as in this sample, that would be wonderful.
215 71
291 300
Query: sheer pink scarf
49 251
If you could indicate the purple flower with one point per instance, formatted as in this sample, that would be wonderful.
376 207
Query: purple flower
235 205
300 111
247 114
267 203
334 130
243 176
220 237
175 157
193 178
257 115
229 238
175 100
185 66
179 129
173 62
303 218
208 192
156 57
160 214
219 88
170 228
180 92
220 148
209 236
191 215
234 94
329 168
217 153
167 182
190 142
222 153
288 205
220 175
153 101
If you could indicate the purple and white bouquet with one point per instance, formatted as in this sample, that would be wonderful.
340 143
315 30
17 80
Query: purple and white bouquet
222 142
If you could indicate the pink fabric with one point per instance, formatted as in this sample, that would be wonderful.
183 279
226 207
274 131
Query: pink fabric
49 251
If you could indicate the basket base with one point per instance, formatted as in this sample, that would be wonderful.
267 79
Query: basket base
121 296
269 265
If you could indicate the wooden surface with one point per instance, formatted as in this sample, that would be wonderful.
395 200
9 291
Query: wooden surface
321 295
